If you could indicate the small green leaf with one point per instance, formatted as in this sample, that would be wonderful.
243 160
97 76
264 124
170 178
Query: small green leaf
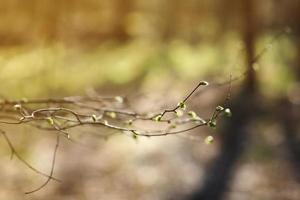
209 139
219 108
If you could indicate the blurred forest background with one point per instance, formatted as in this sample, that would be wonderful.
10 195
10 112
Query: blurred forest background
154 52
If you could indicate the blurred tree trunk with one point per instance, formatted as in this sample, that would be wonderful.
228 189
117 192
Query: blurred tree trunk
122 10
289 111
234 132
170 19
249 31
288 116
48 14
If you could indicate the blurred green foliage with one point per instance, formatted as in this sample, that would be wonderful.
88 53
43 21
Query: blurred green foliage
58 69
61 47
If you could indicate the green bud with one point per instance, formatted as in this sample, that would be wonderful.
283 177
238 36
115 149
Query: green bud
227 112
192 114
129 122
205 83
212 124
179 113
111 114
135 134
17 107
181 105
119 99
105 123
173 126
50 120
94 117
157 118
209 139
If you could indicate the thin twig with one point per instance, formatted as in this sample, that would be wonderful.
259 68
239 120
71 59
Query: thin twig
14 152
52 167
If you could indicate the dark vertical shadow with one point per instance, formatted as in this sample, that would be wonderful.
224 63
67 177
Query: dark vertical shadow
233 136
288 116
234 132
289 113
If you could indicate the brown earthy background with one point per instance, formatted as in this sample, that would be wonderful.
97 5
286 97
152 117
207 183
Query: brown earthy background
154 52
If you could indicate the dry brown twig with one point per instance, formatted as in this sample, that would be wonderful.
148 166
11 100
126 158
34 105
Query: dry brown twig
63 115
